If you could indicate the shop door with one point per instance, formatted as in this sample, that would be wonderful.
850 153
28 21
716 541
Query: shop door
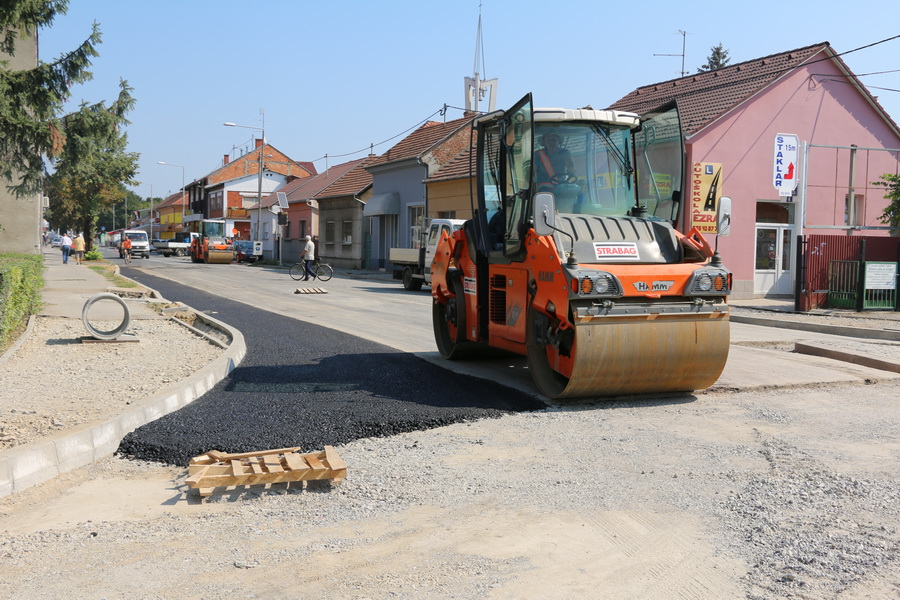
773 274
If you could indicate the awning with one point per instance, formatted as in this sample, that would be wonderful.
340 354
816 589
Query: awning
382 204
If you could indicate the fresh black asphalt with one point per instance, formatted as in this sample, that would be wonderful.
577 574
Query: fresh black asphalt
304 385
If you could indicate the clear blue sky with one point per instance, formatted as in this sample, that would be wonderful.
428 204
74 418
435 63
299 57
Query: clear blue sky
336 76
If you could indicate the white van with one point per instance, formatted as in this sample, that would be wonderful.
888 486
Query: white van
140 243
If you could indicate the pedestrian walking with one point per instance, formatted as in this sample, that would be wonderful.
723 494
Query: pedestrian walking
78 249
309 255
66 245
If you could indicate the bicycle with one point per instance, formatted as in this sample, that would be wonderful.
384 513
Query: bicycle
126 254
323 271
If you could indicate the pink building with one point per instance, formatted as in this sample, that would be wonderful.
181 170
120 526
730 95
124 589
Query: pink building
739 124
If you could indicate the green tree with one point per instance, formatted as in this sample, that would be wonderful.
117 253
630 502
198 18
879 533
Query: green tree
122 212
92 165
891 214
718 58
31 101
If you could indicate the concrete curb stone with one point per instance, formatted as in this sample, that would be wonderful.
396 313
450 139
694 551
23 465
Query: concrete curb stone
30 464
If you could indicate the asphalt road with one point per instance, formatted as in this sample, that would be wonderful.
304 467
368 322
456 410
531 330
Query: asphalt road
304 385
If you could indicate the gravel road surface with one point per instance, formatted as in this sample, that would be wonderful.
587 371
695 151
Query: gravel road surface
787 493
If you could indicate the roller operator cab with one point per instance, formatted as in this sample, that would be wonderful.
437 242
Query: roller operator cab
572 258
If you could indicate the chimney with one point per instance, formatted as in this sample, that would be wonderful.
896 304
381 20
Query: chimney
259 143
226 160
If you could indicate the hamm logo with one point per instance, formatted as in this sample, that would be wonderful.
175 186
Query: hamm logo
621 251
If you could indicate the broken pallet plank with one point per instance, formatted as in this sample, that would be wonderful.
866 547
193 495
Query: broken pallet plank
263 468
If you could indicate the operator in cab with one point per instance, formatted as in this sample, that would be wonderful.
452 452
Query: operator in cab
554 164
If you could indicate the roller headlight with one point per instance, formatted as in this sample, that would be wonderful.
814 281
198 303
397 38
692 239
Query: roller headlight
708 282
596 283
704 282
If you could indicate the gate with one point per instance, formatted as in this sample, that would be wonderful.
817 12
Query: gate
843 280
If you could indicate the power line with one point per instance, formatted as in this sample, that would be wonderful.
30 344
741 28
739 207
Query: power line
441 111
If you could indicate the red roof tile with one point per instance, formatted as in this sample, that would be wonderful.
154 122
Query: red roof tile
355 182
460 167
704 97
421 140
306 188
177 199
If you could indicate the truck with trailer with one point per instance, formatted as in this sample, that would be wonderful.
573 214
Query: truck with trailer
413 265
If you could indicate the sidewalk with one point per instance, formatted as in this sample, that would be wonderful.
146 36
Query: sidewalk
786 305
67 287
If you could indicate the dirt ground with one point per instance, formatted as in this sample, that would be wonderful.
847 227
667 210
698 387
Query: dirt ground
784 493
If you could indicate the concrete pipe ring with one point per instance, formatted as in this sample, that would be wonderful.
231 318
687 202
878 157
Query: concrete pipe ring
105 335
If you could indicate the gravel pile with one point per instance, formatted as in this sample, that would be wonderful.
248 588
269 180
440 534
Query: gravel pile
810 530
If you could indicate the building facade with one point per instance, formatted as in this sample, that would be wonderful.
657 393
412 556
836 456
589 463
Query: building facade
777 135
21 217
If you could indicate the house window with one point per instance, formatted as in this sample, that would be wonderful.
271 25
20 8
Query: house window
347 232
416 222
447 214
854 215
329 232
302 229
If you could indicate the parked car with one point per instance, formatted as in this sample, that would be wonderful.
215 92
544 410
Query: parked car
56 242
243 251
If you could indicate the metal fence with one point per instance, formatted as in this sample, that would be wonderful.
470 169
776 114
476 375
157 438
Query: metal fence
852 272
843 282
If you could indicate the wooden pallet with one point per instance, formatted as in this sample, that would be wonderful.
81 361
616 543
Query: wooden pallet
216 469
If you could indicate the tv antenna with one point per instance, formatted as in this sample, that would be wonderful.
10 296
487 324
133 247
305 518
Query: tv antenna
683 44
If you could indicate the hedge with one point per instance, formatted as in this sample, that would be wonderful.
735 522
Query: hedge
21 280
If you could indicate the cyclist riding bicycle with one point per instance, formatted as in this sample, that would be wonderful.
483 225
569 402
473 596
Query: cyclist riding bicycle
126 249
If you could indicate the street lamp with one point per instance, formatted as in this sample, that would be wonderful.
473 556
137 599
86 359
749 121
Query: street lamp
182 188
260 170
151 211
